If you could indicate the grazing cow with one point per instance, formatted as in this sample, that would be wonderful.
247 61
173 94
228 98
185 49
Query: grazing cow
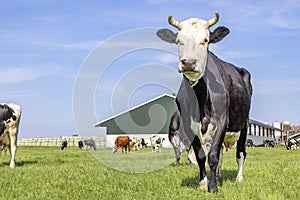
132 145
9 125
143 142
250 143
64 144
269 143
292 144
80 144
122 142
214 97
176 141
90 143
156 143
136 143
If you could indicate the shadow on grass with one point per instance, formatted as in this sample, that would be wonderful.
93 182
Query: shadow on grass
20 163
193 182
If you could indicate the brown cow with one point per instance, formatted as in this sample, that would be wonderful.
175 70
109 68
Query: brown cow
122 142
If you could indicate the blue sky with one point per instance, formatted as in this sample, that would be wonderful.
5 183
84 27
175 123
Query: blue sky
44 45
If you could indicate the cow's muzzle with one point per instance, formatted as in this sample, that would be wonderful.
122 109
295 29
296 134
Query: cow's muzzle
187 65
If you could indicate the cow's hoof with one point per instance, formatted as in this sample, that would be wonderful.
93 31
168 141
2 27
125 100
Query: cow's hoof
239 178
12 165
203 184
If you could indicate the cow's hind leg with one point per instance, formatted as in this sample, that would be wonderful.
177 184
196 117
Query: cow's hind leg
241 153
219 168
201 158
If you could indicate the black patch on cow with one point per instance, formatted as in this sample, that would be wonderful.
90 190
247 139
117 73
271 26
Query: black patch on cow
158 141
6 113
2 128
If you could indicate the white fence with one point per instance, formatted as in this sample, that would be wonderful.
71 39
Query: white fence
72 141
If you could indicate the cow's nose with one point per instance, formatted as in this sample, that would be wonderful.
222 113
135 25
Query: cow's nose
188 64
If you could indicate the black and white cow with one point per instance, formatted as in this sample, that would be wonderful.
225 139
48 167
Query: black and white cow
175 138
156 143
269 143
292 144
214 97
9 125
250 143
64 144
80 144
90 143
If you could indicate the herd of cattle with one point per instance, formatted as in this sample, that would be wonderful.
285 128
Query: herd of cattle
136 143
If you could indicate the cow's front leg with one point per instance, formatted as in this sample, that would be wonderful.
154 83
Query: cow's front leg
213 159
201 158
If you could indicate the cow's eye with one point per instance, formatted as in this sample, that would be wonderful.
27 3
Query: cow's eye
204 42
180 43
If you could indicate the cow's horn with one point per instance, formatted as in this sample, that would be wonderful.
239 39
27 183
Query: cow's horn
213 21
174 22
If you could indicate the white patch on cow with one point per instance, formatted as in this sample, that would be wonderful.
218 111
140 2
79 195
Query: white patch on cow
192 156
205 139
230 139
203 184
240 162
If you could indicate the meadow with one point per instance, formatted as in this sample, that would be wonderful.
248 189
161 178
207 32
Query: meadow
50 173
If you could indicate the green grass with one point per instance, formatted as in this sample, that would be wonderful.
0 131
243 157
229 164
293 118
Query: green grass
49 173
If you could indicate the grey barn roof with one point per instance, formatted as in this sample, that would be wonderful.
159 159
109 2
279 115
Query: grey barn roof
251 121
140 116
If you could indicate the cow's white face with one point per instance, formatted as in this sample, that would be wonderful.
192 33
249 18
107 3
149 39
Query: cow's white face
192 42
193 38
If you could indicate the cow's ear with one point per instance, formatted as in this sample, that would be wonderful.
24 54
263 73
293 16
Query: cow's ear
218 34
167 35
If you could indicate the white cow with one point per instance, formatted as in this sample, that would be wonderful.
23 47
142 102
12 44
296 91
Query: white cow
9 125
156 143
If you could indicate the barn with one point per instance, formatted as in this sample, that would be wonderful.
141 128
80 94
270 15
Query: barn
153 117
149 118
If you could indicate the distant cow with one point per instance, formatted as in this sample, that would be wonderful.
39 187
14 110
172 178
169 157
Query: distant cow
80 144
122 142
144 144
292 144
269 143
64 144
249 143
176 141
90 143
132 145
9 125
156 143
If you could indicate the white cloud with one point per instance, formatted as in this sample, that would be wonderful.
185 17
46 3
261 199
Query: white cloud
17 75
